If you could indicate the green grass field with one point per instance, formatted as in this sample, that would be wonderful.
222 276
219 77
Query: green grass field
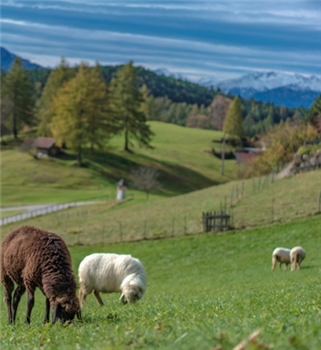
291 199
204 291
178 155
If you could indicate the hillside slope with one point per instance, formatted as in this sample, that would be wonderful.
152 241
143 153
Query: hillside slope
178 155
285 200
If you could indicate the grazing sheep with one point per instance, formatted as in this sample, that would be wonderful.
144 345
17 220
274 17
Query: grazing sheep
109 273
282 256
31 258
297 255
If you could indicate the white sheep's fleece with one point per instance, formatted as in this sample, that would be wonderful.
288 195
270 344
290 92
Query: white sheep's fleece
283 254
108 273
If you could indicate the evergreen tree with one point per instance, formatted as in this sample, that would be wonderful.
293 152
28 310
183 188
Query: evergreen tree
17 87
233 124
149 105
313 112
127 101
81 112
45 111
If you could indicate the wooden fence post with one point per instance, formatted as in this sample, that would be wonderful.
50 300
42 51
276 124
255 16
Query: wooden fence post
144 229
185 225
242 189
232 193
319 201
253 185
273 209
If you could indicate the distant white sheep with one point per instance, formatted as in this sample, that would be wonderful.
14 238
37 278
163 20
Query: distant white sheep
282 256
109 273
297 255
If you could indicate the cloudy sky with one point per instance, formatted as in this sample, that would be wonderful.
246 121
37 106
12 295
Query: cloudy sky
196 39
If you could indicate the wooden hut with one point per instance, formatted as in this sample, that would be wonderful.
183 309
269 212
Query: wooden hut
46 146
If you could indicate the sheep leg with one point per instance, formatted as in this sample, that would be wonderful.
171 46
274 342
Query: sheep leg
30 304
98 298
16 299
47 313
82 295
8 289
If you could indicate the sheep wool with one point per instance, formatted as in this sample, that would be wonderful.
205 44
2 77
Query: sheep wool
297 255
282 256
110 273
32 257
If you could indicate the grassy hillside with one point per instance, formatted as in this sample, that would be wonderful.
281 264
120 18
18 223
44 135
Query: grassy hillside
178 154
281 201
204 292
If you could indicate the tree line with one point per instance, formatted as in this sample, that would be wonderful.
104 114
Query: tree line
77 107
85 106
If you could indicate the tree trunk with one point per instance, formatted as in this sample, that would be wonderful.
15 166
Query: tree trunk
126 141
79 157
15 131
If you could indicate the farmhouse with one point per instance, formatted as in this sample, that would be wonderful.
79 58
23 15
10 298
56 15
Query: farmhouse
46 146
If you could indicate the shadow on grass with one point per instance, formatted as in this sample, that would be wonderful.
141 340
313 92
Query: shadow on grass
175 179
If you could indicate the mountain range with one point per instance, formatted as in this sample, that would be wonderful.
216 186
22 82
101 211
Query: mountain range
290 90
8 57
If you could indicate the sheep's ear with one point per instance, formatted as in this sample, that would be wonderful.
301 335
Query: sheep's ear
57 311
140 295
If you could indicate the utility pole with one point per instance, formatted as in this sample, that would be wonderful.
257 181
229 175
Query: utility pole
223 155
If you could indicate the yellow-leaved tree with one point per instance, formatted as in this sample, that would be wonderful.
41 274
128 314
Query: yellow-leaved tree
81 113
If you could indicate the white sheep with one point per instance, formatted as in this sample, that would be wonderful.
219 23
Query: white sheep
282 256
109 273
297 255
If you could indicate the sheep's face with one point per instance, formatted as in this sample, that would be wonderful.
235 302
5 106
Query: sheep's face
69 308
133 294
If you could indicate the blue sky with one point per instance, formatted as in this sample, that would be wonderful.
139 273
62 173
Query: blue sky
222 39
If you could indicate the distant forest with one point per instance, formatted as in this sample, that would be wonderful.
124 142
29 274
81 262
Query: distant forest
188 104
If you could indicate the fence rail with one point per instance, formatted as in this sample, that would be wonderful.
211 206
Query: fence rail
216 221
42 211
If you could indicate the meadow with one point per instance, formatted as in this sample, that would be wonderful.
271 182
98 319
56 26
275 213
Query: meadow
204 291
284 200
177 153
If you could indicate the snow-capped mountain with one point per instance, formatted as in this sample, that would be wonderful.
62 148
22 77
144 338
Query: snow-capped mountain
292 90
167 73
207 81
264 81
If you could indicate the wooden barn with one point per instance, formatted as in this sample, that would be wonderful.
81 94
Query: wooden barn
46 146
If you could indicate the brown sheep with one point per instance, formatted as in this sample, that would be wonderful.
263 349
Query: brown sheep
31 257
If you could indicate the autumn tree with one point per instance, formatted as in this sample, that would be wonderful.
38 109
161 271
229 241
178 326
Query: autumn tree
45 108
18 95
81 113
127 102
233 124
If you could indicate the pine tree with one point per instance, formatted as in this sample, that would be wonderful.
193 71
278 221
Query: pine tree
127 101
18 89
81 112
233 124
149 105
45 111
